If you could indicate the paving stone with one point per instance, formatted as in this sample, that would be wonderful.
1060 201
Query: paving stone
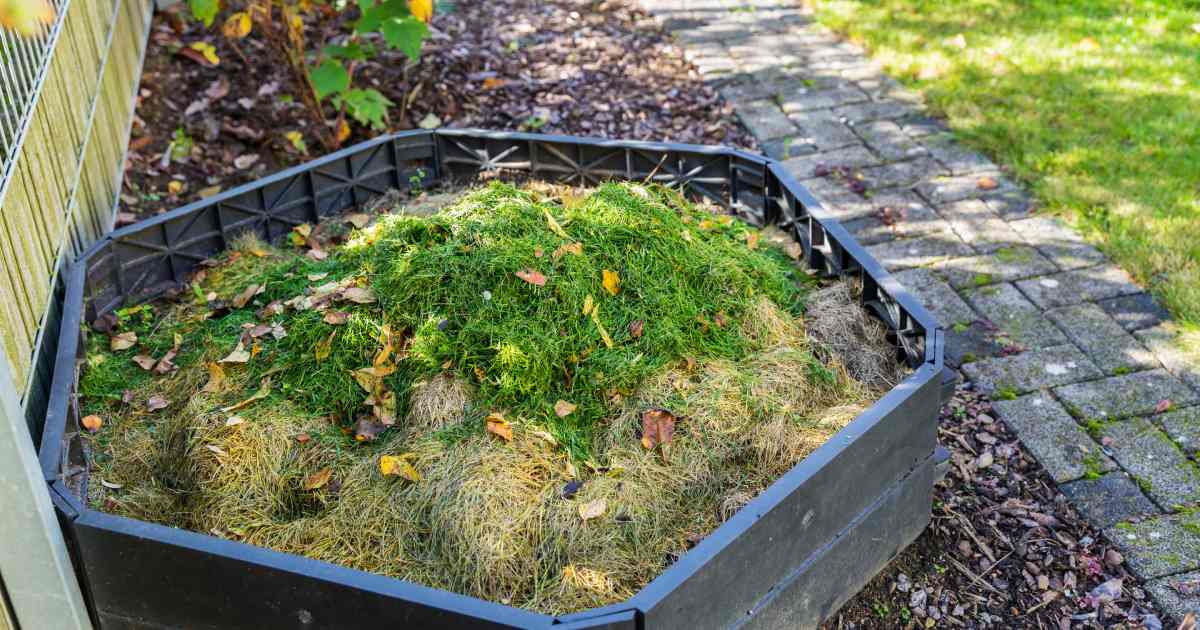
953 155
1126 395
1176 595
801 100
714 65
920 251
1018 318
888 140
937 296
1028 371
786 148
840 202
969 344
1011 203
1165 342
874 110
948 188
901 173
757 54
1053 437
1159 467
1106 501
1058 242
1135 312
920 125
1163 545
1079 285
1102 338
1183 426
892 222
1003 265
765 120
823 131
853 157
979 226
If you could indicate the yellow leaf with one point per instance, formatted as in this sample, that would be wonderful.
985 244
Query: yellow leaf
216 379
593 509
612 281
237 26
608 342
209 52
752 240
588 304
399 466
421 9
343 131
497 425
92 423
563 408
26 17
263 391
174 187
123 341
324 347
318 479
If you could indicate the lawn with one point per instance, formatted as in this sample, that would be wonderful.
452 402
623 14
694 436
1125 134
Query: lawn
1093 104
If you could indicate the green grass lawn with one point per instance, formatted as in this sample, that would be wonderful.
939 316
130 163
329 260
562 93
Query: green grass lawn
1093 104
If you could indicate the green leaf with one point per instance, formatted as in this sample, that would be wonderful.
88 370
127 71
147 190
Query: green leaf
353 51
205 10
330 78
374 17
368 107
405 34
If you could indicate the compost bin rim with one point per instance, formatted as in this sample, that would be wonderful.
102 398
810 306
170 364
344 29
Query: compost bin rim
792 213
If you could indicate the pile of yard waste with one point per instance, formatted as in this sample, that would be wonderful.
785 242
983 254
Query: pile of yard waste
536 395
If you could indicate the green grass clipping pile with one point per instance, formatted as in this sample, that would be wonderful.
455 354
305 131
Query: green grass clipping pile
536 396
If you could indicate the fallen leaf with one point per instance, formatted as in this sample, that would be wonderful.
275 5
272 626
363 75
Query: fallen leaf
399 466
220 452
233 421
324 347
492 83
336 318
264 390
752 240
421 9
593 509
636 327
532 277
216 379
244 162
589 305
318 479
303 438
612 281
497 425
367 429
92 423
296 139
241 299
123 341
658 426
217 89
546 437
166 364
567 248
237 25
239 354
986 183
145 362
314 277
110 485
1163 406
720 319
174 187
207 52
430 121
563 408
554 226
358 219
359 295
604 336
154 403
205 193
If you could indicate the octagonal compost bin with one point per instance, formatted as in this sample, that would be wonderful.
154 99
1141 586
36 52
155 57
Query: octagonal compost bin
788 559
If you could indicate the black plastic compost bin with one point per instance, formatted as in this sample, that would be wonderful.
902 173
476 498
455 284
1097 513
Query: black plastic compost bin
788 559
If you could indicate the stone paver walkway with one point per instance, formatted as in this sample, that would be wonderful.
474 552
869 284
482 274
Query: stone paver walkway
1079 359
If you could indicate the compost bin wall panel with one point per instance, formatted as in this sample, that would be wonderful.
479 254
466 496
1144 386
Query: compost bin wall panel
776 532
149 576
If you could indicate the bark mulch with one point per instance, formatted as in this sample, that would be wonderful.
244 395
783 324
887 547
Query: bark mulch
567 66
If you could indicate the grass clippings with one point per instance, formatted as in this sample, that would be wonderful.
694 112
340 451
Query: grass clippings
463 427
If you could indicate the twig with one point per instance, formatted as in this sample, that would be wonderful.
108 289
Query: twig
975 578
655 171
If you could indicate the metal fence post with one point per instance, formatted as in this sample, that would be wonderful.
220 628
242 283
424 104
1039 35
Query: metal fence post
35 571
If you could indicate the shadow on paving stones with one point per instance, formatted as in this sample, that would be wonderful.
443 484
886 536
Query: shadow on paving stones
1004 550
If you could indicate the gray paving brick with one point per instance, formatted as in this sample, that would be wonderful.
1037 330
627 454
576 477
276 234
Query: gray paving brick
969 344
920 125
765 120
1183 426
1002 265
852 157
801 100
1165 342
1106 501
1058 242
874 110
1157 464
1126 395
888 140
757 53
1028 371
1135 312
1080 285
1158 546
892 222
920 251
905 173
937 296
1176 595
1011 203
957 159
1053 437
948 188
979 226
823 131
1102 338
1016 317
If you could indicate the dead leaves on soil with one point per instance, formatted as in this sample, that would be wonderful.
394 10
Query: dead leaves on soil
658 427
498 426
92 423
399 466
318 479
122 341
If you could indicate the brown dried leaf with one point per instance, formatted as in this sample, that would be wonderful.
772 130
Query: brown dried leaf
497 425
567 248
532 277
216 379
563 408
636 327
367 429
336 318
145 362
123 341
592 509
986 183
358 219
154 403
358 295
318 479
752 240
247 294
239 354
658 426
92 423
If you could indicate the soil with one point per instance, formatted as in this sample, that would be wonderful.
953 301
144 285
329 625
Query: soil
601 69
